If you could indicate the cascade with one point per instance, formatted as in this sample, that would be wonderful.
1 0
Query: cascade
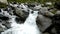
29 26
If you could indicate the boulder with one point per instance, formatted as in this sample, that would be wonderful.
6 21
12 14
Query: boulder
43 22
22 14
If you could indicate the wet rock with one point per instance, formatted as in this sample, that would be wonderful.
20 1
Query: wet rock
7 25
37 7
22 14
43 22
20 11
43 19
2 27
44 11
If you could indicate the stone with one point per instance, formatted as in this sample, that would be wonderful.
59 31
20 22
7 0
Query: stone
2 27
44 11
43 22
22 14
58 12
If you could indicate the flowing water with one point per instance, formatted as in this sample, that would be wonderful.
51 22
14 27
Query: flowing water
29 26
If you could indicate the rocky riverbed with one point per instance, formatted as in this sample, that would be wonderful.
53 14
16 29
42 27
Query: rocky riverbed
21 11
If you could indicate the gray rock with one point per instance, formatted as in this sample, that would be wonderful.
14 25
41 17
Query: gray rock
2 27
54 31
44 11
22 14
43 19
43 22
58 12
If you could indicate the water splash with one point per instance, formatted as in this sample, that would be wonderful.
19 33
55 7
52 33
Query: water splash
31 23
29 26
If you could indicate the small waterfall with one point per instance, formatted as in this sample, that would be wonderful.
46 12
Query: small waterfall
29 26
31 18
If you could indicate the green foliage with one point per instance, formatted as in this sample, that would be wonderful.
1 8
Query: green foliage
22 1
2 5
31 1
